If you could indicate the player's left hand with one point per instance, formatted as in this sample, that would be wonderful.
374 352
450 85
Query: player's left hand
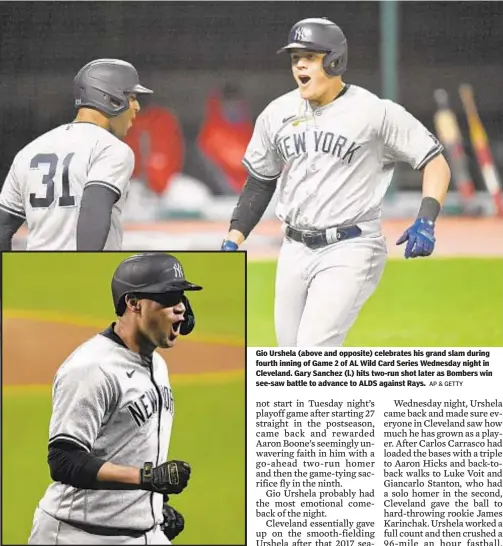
173 523
420 238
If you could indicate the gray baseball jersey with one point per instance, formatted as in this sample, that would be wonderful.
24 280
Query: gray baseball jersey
334 162
47 178
118 406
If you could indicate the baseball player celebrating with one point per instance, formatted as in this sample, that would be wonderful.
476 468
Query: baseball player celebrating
112 413
71 183
332 147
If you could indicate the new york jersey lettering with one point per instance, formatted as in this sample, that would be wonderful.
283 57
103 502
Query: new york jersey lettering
146 405
335 166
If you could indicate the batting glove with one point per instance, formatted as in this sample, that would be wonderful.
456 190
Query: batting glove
170 477
420 238
229 245
173 523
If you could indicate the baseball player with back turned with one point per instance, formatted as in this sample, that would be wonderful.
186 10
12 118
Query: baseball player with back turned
330 148
112 413
70 184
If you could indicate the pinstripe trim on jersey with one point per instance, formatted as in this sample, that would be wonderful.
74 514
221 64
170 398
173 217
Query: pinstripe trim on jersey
70 439
255 174
106 185
437 149
12 211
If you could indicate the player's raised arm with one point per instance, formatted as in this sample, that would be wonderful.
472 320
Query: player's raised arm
107 179
264 167
12 215
410 141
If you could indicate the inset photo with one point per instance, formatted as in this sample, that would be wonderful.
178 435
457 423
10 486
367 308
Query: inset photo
123 412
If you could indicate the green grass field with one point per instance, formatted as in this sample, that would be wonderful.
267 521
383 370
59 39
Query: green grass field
208 432
209 424
437 302
79 284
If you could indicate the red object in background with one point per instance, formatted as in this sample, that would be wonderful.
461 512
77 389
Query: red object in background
223 141
157 142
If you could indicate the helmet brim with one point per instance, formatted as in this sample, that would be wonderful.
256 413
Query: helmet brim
141 90
304 45
158 288
169 286
184 285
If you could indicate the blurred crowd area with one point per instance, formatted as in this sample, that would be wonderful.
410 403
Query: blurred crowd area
213 67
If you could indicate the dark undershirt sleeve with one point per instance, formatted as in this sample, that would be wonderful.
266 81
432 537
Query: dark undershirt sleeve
95 217
72 465
252 203
9 224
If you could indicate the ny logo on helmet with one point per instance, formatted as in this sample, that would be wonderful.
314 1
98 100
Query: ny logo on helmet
178 271
302 34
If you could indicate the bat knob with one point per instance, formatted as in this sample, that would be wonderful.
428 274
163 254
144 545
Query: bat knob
441 98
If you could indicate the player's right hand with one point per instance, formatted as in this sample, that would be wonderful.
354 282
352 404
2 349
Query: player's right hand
229 245
173 523
167 478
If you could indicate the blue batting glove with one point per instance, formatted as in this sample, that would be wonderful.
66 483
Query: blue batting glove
229 245
420 238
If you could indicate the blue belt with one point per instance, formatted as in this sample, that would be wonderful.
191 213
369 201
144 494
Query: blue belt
318 239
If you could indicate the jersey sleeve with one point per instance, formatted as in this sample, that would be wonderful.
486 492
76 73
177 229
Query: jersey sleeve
112 168
261 158
405 138
11 199
83 397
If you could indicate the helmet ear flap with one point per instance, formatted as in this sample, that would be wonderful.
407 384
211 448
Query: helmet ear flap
189 321
334 64
120 308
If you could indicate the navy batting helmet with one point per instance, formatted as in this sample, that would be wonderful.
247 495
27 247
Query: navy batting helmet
105 85
148 273
324 36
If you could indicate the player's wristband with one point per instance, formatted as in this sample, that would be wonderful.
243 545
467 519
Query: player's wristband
430 209
146 475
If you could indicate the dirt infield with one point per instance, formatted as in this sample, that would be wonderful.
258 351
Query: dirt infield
33 350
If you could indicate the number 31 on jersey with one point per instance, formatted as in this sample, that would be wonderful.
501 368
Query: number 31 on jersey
66 200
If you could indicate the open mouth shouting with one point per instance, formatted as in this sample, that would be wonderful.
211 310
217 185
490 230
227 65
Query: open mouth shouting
304 80
175 329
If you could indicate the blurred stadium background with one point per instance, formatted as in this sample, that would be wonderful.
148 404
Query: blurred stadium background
214 67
